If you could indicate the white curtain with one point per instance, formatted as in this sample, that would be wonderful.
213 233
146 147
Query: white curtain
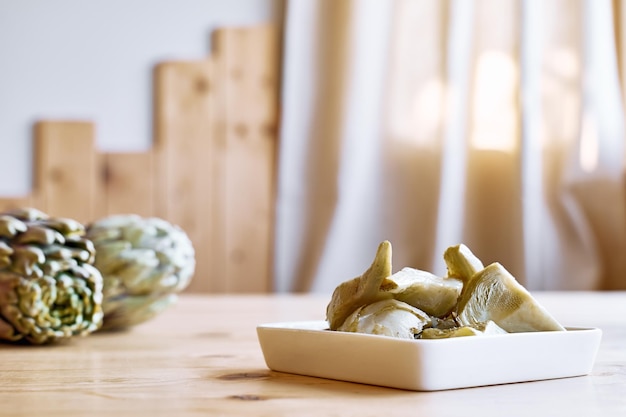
494 123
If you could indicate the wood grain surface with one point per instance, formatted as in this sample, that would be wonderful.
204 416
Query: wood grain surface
248 114
202 358
211 169
127 184
186 159
66 169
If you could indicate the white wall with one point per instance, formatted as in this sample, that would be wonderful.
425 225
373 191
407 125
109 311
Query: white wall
77 59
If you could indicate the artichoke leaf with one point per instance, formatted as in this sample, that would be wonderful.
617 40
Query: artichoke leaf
5 250
40 235
10 226
428 292
7 332
362 290
461 263
66 227
494 294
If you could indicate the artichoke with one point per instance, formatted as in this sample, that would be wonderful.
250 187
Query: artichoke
144 263
49 289
388 318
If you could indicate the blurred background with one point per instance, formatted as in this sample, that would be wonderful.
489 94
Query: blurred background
290 137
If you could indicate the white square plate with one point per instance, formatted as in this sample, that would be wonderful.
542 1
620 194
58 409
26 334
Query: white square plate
308 348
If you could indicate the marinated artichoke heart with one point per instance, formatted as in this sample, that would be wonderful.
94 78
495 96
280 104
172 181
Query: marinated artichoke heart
480 329
388 318
494 294
48 288
430 293
363 290
144 263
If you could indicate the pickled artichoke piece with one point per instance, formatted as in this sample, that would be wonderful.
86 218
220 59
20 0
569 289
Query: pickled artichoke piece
362 290
463 331
494 294
480 329
462 263
490 327
434 295
388 318
444 323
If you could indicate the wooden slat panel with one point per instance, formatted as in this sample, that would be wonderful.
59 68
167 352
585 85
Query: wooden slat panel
211 170
248 72
184 162
127 184
16 202
65 169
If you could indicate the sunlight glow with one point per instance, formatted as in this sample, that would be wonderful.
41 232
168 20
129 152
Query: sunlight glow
495 119
560 92
564 63
428 112
589 144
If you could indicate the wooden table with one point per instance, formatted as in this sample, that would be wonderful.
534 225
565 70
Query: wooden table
202 358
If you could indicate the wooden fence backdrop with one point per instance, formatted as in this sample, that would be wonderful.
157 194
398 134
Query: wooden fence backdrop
211 169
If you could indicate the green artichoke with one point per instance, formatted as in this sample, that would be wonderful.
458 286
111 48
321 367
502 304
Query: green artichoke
144 263
48 288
